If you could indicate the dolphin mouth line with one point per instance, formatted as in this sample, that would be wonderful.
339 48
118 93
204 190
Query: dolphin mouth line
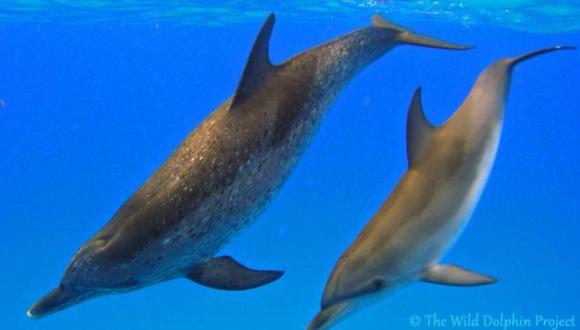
30 315
57 300
329 316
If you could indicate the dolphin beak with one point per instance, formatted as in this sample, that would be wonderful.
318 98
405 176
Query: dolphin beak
330 315
56 300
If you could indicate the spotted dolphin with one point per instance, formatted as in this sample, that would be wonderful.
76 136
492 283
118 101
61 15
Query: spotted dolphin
431 204
225 172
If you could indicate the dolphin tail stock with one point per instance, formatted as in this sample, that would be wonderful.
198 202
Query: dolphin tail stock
513 61
407 36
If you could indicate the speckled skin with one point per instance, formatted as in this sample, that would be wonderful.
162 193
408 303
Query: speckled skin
221 177
225 172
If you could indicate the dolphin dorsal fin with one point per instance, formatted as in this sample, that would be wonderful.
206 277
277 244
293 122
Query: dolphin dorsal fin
419 130
258 65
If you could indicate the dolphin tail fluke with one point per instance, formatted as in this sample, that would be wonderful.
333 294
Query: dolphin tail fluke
407 36
519 59
225 273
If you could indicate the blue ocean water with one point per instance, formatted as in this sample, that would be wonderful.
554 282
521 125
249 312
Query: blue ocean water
92 107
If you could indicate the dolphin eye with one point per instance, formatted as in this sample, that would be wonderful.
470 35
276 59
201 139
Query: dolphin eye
103 241
379 283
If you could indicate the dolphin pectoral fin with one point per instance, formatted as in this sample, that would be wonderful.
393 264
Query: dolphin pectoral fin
455 275
258 65
225 273
407 36
419 130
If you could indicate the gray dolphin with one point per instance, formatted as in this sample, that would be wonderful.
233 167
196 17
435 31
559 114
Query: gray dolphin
224 173
431 204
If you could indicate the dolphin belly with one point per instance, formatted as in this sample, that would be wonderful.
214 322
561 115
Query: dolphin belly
448 234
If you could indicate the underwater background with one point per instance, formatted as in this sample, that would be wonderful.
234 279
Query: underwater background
96 95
